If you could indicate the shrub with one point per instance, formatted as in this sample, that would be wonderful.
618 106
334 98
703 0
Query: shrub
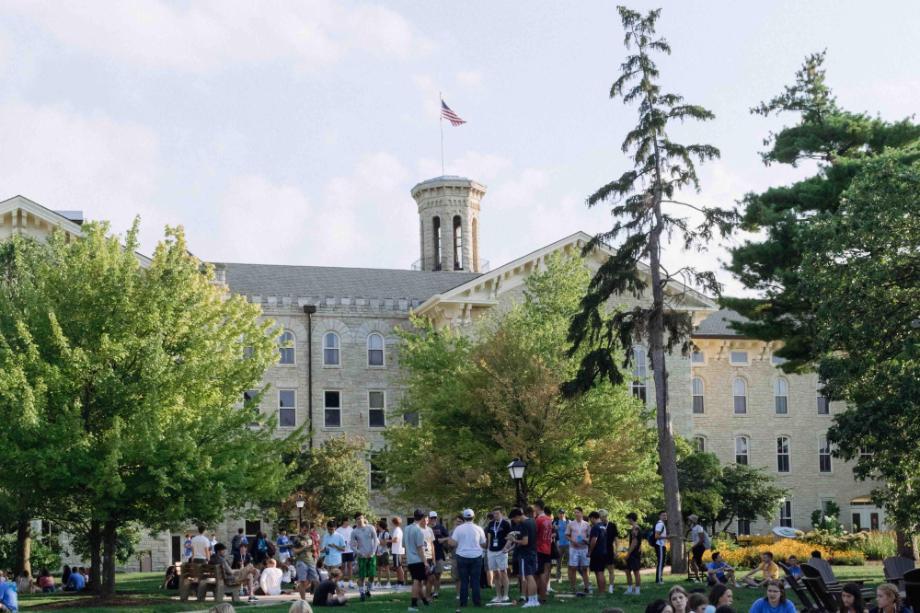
878 545
749 557
748 540
648 558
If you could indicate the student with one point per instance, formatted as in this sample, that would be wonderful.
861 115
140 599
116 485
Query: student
9 599
439 538
562 543
333 546
795 569
888 600
659 606
577 535
329 593
46 582
719 596
414 538
700 539
851 600
661 541
383 553
75 583
201 547
718 571
348 555
767 566
398 551
612 535
597 550
284 546
364 543
270 579
170 579
526 547
469 540
497 531
775 600
698 603
678 599
634 556
544 525
303 551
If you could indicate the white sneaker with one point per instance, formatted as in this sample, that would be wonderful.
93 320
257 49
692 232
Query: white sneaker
495 600
610 589
550 590
505 599
351 585
529 605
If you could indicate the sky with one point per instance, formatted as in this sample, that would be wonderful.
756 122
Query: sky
293 132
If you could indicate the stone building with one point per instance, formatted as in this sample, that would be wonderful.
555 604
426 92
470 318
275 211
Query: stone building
338 370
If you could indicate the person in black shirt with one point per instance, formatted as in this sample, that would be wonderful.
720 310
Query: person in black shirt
526 547
597 549
496 535
612 535
328 594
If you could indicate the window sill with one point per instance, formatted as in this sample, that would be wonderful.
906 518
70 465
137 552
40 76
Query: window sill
371 367
332 428
294 365
783 415
333 366
741 414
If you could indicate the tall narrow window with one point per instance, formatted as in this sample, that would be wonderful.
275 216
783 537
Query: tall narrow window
640 373
331 349
824 455
378 477
436 237
739 395
698 401
741 450
781 396
376 409
458 243
375 350
699 443
286 347
332 409
785 513
744 526
782 454
287 408
250 396
824 404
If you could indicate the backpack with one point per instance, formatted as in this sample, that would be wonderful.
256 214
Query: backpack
650 537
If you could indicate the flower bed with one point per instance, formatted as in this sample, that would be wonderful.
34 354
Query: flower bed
748 557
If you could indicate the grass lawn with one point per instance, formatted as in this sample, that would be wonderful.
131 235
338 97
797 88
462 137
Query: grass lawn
139 593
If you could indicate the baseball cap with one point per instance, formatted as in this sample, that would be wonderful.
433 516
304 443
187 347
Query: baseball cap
433 514
468 514
561 511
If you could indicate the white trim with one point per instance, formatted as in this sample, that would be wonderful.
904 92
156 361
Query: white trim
788 453
383 350
293 408
337 348
41 212
339 409
293 348
369 409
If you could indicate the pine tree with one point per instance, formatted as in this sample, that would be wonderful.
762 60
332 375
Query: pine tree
643 198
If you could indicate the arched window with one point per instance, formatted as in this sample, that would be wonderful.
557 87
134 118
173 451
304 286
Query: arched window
782 454
698 404
436 237
375 350
742 450
781 396
458 243
286 347
699 443
331 349
824 455
640 373
739 395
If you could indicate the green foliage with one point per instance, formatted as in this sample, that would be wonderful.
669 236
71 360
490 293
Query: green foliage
120 384
700 477
877 545
747 493
127 539
493 395
841 143
331 478
865 262
46 552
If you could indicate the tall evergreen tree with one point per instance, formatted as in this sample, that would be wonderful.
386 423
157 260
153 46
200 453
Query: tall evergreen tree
841 143
644 201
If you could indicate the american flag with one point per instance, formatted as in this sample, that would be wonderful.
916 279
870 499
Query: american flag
450 116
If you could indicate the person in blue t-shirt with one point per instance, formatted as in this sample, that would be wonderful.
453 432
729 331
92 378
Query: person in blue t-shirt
75 583
333 544
284 546
9 599
718 571
775 600
560 524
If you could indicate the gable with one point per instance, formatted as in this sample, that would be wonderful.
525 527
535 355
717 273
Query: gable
19 215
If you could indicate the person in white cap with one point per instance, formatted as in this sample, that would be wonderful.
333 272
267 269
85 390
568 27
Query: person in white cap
470 540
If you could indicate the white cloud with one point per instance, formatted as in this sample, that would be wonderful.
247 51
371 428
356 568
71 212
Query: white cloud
471 79
212 34
107 169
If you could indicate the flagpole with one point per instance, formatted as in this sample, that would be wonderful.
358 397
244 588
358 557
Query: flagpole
441 122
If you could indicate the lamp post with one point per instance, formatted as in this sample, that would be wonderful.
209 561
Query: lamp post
300 502
516 470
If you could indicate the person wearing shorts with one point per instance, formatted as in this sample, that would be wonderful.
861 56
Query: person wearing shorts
577 535
526 546
497 532
562 543
397 551
348 556
304 562
415 557
634 555
364 543
383 553
544 523
597 550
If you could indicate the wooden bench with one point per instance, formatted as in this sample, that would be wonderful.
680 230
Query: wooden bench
204 577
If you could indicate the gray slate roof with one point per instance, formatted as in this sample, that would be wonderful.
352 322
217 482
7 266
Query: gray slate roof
717 324
294 281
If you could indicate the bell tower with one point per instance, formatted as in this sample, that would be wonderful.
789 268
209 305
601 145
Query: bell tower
448 211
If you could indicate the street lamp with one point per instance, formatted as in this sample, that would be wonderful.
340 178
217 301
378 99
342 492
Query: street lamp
299 502
516 470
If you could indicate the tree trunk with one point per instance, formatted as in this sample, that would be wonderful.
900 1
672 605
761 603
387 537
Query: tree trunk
667 454
109 536
94 538
24 546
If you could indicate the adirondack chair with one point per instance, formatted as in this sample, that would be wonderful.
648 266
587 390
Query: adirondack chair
831 582
895 567
912 588
809 605
814 582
